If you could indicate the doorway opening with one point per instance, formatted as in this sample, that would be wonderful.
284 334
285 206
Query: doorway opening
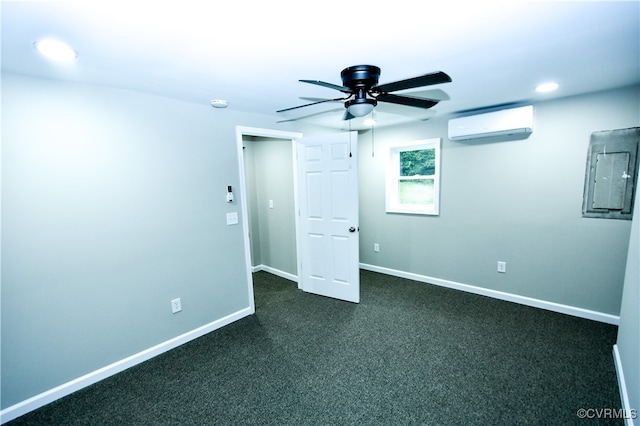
269 202
270 205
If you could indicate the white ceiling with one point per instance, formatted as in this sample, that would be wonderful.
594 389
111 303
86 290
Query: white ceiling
252 53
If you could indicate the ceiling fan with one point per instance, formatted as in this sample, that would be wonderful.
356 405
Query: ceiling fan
360 84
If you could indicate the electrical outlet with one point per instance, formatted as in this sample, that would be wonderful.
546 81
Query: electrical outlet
502 267
376 247
176 305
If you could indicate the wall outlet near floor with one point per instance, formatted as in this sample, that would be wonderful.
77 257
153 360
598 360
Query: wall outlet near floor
376 247
176 305
502 267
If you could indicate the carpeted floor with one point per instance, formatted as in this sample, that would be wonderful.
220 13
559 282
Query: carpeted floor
409 353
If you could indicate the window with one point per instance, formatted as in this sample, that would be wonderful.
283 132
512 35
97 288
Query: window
413 177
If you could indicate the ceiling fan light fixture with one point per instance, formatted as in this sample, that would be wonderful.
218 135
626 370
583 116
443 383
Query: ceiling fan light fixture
360 107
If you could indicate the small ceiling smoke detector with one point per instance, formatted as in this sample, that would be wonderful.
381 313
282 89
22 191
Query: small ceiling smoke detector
219 103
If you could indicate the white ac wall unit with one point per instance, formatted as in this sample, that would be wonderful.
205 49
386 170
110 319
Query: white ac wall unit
515 122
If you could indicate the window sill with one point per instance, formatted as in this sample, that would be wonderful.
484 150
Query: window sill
406 210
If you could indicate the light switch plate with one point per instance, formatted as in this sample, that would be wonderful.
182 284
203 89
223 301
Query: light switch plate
232 218
176 305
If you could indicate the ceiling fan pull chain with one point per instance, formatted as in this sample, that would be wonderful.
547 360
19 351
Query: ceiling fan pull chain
350 154
373 130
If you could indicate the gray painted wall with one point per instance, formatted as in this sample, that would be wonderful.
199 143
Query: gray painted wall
252 202
517 201
269 176
113 203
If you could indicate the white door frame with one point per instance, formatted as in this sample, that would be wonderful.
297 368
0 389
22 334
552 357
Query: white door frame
267 133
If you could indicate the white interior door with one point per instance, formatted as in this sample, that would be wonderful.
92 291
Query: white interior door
328 202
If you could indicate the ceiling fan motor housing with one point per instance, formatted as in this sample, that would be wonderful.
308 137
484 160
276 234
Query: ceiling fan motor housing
360 77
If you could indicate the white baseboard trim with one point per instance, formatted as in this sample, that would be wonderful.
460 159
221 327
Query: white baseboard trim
65 389
274 271
510 297
622 386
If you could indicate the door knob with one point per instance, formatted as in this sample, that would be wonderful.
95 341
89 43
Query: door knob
352 229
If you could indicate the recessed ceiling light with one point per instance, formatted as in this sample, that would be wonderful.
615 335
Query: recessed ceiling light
546 87
56 50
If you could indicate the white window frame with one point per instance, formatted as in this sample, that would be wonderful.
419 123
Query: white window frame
393 177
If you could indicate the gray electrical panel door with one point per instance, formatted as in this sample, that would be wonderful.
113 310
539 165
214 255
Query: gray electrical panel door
612 164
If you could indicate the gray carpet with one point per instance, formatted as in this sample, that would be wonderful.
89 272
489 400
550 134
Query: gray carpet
409 353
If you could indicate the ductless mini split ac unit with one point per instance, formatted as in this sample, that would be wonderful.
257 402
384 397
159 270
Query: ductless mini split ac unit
514 122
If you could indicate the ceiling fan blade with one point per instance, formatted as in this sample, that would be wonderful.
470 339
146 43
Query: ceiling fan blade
312 103
407 100
329 85
410 83
313 115
311 99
